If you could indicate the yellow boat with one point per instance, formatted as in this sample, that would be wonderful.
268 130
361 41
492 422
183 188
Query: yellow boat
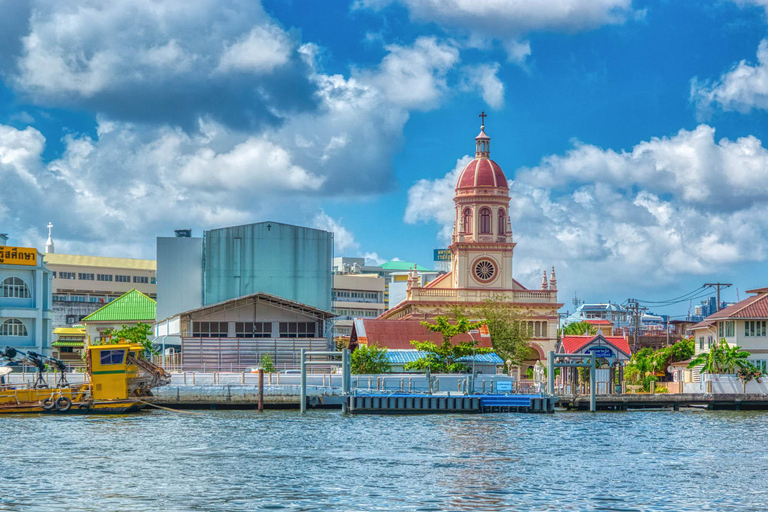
119 381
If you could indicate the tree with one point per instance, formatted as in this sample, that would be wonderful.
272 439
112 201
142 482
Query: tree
138 334
721 358
444 358
509 331
646 365
748 373
369 359
579 328
266 363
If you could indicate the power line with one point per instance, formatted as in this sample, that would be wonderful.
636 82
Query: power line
681 298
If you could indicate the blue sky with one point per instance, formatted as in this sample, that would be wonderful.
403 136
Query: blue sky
633 132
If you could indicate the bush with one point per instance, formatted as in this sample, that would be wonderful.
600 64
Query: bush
266 364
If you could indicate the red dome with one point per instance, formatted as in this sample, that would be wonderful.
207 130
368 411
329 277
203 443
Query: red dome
481 173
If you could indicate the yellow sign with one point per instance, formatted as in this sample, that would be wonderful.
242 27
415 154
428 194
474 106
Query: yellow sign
18 256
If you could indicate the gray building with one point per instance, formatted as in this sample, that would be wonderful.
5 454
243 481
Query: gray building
289 262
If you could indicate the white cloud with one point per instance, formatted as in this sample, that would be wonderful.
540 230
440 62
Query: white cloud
264 49
673 206
743 88
413 77
343 239
169 61
509 21
483 78
756 3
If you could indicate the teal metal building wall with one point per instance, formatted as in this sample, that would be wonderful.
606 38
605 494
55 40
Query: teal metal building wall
289 261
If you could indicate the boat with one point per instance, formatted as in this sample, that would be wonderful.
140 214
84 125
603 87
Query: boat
119 381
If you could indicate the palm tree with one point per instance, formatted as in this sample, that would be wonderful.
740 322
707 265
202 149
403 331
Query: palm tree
722 358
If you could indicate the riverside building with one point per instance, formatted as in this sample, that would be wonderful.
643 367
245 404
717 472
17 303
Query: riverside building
25 299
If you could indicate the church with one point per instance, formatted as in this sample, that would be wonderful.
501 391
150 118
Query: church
482 250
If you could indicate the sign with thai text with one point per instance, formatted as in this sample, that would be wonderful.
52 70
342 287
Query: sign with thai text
604 352
503 386
18 256
442 255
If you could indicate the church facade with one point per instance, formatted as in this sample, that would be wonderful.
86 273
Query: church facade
482 250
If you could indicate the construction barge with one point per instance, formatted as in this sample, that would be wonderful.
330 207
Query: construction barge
119 381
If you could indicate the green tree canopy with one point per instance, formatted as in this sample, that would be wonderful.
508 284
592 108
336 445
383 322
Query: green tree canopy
509 331
266 363
579 328
443 358
138 333
369 359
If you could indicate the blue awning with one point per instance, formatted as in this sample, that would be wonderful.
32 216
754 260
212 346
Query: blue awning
409 356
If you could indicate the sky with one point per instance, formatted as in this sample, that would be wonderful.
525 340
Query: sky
634 133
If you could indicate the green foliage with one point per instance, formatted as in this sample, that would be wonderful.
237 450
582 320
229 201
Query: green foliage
266 363
138 334
443 358
370 359
579 328
509 331
646 364
747 373
721 358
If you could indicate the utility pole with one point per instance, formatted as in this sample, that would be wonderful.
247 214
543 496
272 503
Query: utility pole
719 286
634 306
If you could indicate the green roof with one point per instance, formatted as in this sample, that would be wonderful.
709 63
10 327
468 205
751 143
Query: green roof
404 266
132 306
68 343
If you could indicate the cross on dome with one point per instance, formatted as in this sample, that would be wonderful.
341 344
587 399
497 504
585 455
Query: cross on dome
482 141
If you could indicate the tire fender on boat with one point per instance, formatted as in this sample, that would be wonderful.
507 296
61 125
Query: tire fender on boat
63 404
49 403
84 408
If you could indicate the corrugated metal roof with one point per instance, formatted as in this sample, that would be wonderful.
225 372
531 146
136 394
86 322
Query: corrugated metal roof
132 306
403 266
70 330
99 261
408 356
67 343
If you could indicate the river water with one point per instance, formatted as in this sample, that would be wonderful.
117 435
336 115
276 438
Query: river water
279 460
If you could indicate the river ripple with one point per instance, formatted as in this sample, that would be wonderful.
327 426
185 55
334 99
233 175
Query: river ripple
279 460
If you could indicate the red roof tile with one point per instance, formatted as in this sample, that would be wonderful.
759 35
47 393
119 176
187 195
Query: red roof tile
398 334
751 307
598 321
482 172
572 344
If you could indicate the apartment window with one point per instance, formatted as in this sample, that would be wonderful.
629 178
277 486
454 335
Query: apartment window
104 277
253 329
730 328
86 277
755 328
140 279
297 330
13 327
77 298
60 298
15 288
66 275
95 299
123 279
210 329
709 342
701 342
54 273
152 280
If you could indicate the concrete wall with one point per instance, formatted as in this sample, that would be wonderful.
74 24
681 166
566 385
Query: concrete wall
179 275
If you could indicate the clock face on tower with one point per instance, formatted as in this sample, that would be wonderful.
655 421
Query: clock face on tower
485 270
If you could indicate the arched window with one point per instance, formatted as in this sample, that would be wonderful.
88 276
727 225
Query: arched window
15 288
13 327
502 221
485 220
467 220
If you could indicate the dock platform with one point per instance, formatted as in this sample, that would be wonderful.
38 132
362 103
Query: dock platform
442 404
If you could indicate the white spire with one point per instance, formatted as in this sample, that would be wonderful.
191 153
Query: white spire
49 243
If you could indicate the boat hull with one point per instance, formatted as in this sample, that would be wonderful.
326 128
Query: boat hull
107 407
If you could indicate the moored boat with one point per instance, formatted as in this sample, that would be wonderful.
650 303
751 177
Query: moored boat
119 381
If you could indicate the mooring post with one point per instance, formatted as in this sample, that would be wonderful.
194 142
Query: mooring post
592 384
261 389
551 372
303 380
346 379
